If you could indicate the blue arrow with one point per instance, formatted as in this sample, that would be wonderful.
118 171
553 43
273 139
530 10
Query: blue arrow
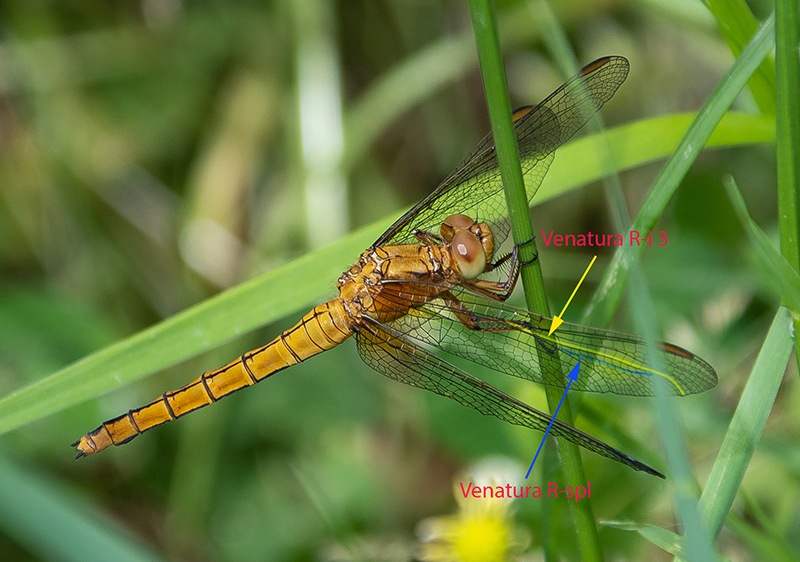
573 376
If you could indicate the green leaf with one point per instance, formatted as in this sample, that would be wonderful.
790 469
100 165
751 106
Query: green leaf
738 25
748 422
613 285
665 540
782 277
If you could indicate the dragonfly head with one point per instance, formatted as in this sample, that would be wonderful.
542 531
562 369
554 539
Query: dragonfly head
470 243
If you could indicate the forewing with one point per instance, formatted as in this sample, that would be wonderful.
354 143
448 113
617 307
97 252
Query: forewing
390 353
517 343
475 188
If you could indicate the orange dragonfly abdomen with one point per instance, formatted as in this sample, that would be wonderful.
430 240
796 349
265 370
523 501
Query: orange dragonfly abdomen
323 328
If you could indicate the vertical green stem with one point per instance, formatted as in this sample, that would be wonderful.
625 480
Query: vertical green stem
787 65
494 83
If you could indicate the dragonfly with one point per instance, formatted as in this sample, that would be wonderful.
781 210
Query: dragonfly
435 285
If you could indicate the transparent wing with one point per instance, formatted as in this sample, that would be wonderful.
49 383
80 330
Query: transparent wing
475 189
517 343
392 354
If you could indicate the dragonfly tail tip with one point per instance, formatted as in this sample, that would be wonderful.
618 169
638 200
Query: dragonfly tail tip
81 453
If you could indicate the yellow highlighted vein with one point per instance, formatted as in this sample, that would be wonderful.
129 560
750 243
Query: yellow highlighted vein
611 359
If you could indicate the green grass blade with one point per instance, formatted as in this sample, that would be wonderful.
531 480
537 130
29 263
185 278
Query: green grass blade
612 287
765 546
738 25
788 128
785 280
662 538
644 141
787 59
748 422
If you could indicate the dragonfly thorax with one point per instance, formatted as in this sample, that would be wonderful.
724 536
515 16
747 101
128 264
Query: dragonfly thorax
356 286
470 244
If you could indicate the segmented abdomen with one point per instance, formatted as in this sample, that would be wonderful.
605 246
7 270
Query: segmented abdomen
323 328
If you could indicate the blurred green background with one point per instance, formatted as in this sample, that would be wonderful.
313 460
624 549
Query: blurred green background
155 153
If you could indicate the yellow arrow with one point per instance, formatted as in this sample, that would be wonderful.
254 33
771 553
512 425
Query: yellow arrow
557 321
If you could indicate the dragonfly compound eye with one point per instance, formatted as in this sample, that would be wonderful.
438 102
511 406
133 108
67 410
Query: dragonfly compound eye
468 254
453 224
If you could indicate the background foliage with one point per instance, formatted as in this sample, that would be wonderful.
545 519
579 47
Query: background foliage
155 153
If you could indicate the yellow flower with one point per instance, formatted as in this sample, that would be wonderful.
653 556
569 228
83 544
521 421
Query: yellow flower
483 530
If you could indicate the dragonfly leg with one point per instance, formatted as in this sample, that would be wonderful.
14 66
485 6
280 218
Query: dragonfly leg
498 290
501 290
474 321
513 255
469 318
535 257
495 290
466 316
